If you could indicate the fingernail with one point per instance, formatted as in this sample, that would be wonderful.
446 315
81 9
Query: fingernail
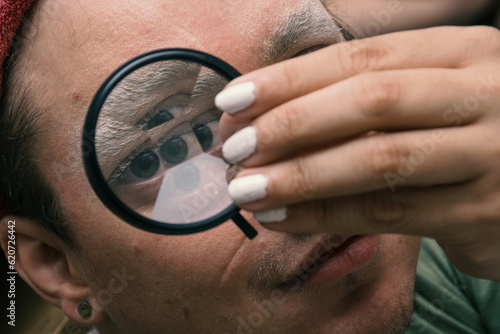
236 98
240 145
275 215
248 188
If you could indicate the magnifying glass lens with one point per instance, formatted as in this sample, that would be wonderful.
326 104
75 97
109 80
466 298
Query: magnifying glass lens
158 144
154 153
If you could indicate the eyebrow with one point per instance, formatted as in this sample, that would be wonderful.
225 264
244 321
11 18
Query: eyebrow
138 86
208 85
310 22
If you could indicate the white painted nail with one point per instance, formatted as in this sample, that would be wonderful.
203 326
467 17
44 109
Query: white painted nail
275 215
248 188
236 98
241 145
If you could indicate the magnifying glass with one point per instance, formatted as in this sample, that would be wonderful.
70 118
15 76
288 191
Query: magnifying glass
151 144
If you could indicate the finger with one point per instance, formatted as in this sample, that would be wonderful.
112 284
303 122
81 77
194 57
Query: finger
462 218
439 212
228 125
269 87
383 101
422 158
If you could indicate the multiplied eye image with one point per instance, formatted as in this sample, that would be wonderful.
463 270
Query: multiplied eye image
158 145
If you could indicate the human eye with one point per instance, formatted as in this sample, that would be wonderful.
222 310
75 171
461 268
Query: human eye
206 130
144 166
207 135
179 148
167 110
138 178
149 161
173 131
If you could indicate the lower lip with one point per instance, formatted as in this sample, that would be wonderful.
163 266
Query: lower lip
353 255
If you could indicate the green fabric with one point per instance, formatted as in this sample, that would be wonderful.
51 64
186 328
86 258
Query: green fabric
446 301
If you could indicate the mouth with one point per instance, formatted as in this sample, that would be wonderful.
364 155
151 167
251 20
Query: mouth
333 258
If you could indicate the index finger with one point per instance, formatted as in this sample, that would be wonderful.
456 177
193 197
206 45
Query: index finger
443 47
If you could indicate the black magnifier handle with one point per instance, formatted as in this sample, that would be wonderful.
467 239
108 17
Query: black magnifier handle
245 226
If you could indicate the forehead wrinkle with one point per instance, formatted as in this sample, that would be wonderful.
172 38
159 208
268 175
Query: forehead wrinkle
309 21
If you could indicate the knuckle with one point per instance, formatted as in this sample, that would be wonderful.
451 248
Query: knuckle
491 32
382 212
384 156
378 93
480 206
483 34
302 180
484 38
287 122
289 77
363 55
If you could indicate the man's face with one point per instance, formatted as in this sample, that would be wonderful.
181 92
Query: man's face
216 281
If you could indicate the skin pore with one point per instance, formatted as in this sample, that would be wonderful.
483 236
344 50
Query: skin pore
138 282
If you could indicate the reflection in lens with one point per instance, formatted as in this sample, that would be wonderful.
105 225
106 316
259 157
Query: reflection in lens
186 177
161 118
192 191
156 140
145 165
174 150
204 136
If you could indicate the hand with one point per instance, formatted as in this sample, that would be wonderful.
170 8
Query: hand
393 134
373 17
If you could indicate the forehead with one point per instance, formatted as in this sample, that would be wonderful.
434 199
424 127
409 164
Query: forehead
79 43
95 32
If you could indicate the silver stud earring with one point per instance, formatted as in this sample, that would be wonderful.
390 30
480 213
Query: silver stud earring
84 309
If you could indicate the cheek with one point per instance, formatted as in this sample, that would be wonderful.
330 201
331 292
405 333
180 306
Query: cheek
398 262
400 252
193 261
165 266
403 247
161 256
177 277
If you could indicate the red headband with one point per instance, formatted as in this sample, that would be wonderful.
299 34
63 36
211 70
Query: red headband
11 15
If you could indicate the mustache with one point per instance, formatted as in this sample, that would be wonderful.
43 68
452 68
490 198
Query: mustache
274 265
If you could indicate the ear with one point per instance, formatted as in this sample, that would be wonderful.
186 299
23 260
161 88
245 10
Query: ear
50 267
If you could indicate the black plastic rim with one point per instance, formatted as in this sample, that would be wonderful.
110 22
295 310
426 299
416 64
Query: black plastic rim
91 165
